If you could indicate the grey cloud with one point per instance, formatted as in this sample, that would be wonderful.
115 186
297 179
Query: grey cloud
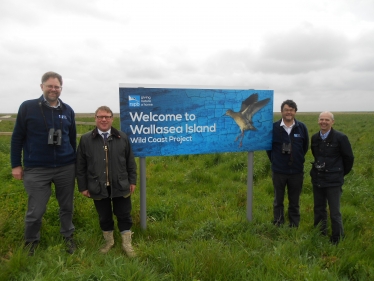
318 68
362 56
302 50
16 11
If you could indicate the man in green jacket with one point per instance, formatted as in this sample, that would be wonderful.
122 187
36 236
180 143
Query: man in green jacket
106 172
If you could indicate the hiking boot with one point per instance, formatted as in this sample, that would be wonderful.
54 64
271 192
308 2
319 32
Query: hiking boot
126 244
31 247
70 244
109 241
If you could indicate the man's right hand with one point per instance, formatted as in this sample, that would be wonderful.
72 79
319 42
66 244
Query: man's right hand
17 173
86 193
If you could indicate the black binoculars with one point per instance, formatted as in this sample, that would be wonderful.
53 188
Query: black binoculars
54 137
286 148
320 167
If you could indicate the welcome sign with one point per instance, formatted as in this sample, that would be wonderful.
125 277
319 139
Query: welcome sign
169 120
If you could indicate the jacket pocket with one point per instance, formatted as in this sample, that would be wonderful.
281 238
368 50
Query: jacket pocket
95 186
123 183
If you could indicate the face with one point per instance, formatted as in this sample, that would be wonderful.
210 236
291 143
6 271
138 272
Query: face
288 113
51 90
325 122
103 120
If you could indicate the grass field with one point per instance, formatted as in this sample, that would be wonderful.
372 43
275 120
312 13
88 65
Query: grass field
196 222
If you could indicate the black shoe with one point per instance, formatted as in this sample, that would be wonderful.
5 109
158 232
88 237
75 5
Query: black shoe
336 240
70 244
31 246
278 224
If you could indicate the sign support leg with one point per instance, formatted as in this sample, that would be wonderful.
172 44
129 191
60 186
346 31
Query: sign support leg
143 201
250 186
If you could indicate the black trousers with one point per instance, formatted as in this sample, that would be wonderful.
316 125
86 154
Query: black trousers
294 185
120 207
330 195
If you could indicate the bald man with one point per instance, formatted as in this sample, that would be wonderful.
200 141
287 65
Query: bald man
333 159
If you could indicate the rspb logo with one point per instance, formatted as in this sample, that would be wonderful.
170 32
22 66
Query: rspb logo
134 101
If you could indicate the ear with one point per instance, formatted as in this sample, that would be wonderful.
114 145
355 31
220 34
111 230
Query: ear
41 86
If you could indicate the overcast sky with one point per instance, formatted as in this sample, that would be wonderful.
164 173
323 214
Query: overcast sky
318 53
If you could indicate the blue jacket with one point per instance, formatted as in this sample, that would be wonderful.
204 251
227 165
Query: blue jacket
30 135
292 163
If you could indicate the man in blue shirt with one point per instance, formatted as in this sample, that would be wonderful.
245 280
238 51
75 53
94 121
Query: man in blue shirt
43 150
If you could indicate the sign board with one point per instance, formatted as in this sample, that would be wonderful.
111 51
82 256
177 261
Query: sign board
171 120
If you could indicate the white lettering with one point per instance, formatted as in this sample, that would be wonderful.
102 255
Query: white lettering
151 117
151 139
179 139
200 129
153 129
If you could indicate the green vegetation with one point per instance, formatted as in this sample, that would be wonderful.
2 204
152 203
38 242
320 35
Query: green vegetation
197 227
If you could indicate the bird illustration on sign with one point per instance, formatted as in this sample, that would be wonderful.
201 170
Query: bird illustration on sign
243 118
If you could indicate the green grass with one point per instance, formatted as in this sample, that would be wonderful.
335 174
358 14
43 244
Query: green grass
196 222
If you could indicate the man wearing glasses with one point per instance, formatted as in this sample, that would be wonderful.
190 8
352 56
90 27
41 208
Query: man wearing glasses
106 172
44 137
289 146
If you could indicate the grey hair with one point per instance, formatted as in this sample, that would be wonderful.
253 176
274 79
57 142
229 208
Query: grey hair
328 112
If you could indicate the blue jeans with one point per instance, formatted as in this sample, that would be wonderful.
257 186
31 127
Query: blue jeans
37 182
331 196
294 185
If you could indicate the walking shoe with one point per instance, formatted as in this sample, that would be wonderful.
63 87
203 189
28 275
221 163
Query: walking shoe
109 242
126 244
70 244
31 246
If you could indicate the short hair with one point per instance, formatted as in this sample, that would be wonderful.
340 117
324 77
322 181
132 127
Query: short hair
51 74
328 112
290 103
104 108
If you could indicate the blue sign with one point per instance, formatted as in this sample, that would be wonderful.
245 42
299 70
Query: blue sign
164 121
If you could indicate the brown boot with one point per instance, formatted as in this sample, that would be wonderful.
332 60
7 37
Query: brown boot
109 241
126 244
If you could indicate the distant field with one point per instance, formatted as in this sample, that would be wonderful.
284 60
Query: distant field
197 228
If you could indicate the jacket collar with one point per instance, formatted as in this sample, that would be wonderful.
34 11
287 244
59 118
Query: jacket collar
329 137
114 133
43 102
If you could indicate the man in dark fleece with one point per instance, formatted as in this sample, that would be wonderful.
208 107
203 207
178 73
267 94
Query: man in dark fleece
287 156
44 137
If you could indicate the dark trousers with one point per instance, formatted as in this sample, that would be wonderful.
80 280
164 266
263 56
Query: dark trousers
37 182
294 185
120 207
331 196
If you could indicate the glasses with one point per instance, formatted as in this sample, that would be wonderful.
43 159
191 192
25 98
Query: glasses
51 87
103 117
289 110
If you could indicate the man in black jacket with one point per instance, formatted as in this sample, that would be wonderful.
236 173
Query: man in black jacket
287 156
106 172
333 159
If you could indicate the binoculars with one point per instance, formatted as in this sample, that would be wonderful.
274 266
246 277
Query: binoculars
54 137
286 148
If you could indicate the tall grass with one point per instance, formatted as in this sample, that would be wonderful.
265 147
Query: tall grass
196 223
